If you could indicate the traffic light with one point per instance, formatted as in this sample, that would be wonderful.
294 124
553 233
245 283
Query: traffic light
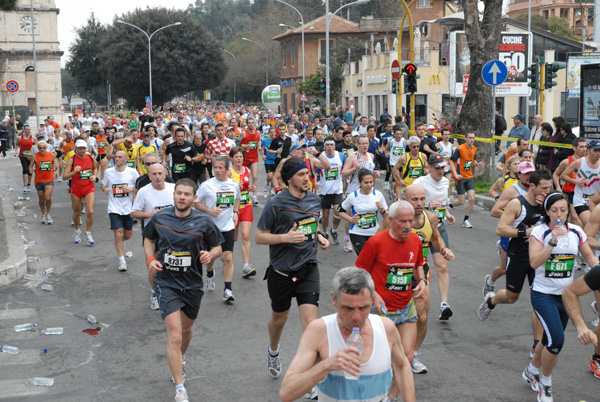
323 86
551 69
411 78
394 86
533 76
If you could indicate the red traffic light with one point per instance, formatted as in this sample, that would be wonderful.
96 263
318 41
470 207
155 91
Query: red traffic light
410 68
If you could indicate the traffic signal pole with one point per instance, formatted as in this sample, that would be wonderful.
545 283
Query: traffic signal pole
412 60
399 93
542 86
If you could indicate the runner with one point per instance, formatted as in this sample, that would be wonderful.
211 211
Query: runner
579 151
346 146
82 169
289 225
173 243
270 159
510 178
179 155
332 188
145 148
66 146
361 209
395 148
45 172
410 166
465 155
250 139
323 349
219 197
23 149
199 168
102 145
446 149
241 174
119 184
553 273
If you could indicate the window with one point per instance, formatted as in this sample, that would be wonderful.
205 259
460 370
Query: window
323 48
294 50
29 78
424 3
284 58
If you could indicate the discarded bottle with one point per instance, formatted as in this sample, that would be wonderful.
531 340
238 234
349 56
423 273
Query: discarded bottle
48 271
29 245
23 198
18 203
29 277
20 213
35 216
129 254
91 319
23 226
53 331
10 349
47 382
354 340
24 327
47 286
33 259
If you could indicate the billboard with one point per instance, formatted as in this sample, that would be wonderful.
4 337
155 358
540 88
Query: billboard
574 71
514 51
589 102
271 96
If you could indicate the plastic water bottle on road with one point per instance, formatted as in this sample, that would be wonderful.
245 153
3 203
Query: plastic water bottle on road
48 271
47 382
33 259
24 327
356 341
92 319
12 350
29 277
47 286
53 331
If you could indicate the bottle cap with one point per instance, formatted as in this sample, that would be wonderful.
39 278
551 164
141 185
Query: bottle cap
45 350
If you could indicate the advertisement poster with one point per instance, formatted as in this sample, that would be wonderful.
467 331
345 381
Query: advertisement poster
514 51
271 96
574 71
589 103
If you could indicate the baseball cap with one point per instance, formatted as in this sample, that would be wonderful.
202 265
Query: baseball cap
514 148
526 167
41 135
594 144
431 127
80 143
518 116
355 133
437 161
146 134
297 145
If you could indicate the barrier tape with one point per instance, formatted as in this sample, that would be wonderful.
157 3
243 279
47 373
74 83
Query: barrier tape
502 138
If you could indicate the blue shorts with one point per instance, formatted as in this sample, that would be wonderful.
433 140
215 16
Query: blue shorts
402 316
120 221
553 316
504 243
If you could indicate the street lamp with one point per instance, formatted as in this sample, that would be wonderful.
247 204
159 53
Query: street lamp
286 26
266 51
149 48
327 22
301 22
235 61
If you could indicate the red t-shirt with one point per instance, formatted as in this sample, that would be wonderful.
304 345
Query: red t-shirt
216 147
391 264
253 141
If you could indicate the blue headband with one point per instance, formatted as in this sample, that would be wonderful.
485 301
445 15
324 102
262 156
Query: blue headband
290 173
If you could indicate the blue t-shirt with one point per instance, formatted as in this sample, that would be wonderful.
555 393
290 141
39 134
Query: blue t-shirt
266 142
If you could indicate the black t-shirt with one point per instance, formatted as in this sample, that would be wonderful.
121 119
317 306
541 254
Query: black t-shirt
145 119
429 142
319 146
343 148
277 143
179 152
592 278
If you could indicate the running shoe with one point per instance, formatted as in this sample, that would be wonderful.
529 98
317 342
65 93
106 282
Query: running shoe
123 266
248 271
254 200
532 352
544 393
312 394
484 311
43 219
77 236
89 238
334 236
417 366
59 179
445 312
532 379
386 185
486 287
228 296
210 283
181 396
467 224
154 302
274 365
595 310
272 191
594 366
25 189
49 219
348 245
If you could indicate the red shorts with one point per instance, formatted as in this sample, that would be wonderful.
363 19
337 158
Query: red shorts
246 214
248 162
82 191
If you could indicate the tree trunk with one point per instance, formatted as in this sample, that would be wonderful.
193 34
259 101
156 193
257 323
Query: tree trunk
484 39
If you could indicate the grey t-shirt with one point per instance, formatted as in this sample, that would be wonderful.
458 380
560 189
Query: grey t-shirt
179 242
278 217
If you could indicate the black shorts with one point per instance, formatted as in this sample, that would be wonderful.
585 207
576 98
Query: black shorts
120 221
358 242
58 154
414 283
581 208
270 168
171 300
518 268
42 186
444 235
570 195
329 200
465 185
178 176
100 157
229 237
302 284
24 165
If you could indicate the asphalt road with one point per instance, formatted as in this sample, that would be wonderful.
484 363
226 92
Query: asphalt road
468 360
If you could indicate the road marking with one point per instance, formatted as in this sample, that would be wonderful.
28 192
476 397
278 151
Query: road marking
14 388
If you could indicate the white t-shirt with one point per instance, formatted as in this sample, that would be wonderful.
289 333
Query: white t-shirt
148 198
331 179
434 191
555 274
397 148
119 202
222 194
364 206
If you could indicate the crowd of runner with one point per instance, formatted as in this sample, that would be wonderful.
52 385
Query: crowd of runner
190 177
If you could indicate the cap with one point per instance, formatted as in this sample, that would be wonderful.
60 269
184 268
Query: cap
355 133
514 148
297 145
41 135
146 134
594 144
25 124
526 167
518 116
42 144
431 127
80 143
437 161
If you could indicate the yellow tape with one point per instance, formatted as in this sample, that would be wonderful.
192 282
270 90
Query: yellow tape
502 138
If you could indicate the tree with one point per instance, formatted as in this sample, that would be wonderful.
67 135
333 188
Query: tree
560 26
68 83
8 5
339 59
484 38
536 21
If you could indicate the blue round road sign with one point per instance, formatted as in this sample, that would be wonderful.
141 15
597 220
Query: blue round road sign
12 86
494 72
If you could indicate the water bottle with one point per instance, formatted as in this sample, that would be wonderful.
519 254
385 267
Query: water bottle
24 327
29 245
563 240
48 271
29 277
354 340
18 203
33 259
92 319
47 382
10 349
53 331
47 286
129 254
35 216
23 226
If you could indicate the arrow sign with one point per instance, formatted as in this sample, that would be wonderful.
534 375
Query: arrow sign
395 70
410 68
494 72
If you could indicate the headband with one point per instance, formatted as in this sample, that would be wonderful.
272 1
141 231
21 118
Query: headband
550 195
330 142
290 173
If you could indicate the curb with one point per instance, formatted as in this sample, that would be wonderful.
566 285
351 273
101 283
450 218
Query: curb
15 264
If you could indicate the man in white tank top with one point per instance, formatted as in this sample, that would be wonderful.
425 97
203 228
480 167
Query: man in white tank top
324 342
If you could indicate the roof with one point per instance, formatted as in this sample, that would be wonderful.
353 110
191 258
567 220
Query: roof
338 25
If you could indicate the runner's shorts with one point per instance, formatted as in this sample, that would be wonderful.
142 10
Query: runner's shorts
303 284
171 300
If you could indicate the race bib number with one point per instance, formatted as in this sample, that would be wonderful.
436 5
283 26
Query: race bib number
397 151
398 280
586 199
118 190
560 266
179 167
332 174
415 173
245 198
45 166
27 153
367 221
253 144
440 213
468 165
85 174
225 199
130 164
309 228
102 144
178 261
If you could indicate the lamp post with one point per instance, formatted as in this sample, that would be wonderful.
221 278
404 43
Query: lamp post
327 22
149 48
266 51
235 61
35 72
301 22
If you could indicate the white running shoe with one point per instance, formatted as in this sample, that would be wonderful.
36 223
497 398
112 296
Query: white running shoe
154 302
210 283
49 219
544 393
122 266
417 366
312 394
25 189
595 310
228 296
484 311
181 396
532 379
274 365
77 236
487 288
467 224
348 244
90 239
254 200
248 271
43 219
